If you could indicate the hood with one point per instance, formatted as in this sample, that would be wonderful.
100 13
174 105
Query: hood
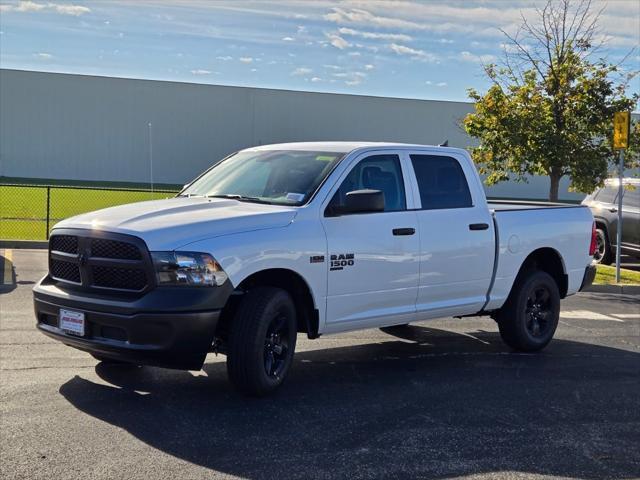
172 223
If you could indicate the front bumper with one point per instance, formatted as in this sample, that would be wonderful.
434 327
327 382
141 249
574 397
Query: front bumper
589 276
167 327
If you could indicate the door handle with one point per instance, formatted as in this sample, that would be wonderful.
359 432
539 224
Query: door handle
478 226
404 231
613 210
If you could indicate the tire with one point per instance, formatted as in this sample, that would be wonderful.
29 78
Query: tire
603 255
262 341
529 318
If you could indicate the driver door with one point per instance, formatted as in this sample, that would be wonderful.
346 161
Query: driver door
372 257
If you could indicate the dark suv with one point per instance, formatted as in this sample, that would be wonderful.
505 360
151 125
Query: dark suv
604 206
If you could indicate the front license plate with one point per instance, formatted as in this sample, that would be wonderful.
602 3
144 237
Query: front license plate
72 322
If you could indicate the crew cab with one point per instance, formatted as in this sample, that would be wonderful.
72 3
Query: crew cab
314 238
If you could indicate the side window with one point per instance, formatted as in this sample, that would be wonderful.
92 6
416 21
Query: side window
377 172
607 195
631 198
441 181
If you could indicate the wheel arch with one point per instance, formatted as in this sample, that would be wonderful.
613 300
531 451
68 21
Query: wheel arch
290 281
549 260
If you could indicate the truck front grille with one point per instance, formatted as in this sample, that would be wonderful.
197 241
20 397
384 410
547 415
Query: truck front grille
114 249
98 261
119 277
66 271
64 243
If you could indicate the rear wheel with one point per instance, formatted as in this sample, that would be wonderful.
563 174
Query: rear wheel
603 248
262 341
529 318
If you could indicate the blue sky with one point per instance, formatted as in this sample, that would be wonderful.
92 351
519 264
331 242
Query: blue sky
430 49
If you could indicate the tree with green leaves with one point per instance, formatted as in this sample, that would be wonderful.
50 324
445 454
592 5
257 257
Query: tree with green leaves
549 109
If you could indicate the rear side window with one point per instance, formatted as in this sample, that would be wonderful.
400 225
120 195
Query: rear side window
607 195
441 182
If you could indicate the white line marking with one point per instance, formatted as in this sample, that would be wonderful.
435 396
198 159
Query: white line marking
626 315
588 315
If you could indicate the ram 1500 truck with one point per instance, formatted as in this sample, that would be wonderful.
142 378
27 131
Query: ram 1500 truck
314 238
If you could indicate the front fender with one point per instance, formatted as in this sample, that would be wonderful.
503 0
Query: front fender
292 247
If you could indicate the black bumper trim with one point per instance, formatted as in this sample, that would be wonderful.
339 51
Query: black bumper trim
589 276
172 328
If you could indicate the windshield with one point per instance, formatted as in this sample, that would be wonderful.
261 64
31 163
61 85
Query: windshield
280 177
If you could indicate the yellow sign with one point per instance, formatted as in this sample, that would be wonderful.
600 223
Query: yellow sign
621 126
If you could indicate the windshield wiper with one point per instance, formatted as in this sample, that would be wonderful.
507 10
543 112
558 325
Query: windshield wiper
241 198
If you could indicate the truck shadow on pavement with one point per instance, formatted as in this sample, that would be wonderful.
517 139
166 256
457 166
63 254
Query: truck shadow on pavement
423 403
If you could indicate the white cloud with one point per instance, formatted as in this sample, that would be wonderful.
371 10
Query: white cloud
350 78
316 79
445 40
466 56
398 37
302 29
363 17
246 59
200 71
441 84
413 52
354 54
43 55
333 67
287 39
337 41
225 58
369 67
63 9
300 71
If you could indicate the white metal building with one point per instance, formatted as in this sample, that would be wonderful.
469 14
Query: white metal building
76 127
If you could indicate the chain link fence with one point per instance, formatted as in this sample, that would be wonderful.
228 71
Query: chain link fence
29 212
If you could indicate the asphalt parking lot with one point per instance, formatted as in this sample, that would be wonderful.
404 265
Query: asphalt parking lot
443 399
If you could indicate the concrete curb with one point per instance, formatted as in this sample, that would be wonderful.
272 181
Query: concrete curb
619 289
24 244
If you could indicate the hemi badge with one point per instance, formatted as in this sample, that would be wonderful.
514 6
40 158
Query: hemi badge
316 259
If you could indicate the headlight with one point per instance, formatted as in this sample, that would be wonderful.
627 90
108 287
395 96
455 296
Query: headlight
187 268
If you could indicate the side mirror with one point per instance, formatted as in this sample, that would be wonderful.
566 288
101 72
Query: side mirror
362 201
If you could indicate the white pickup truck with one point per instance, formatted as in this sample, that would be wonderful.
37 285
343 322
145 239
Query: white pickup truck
314 238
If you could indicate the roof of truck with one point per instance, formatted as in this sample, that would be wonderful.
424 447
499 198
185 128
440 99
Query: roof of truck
341 147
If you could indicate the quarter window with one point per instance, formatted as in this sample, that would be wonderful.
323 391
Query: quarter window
441 181
377 172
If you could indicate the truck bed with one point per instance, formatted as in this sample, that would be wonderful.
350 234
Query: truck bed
506 205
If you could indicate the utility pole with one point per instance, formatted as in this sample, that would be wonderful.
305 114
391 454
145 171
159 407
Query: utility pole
619 229
151 155
621 130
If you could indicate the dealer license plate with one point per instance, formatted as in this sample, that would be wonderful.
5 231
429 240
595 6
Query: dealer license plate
72 322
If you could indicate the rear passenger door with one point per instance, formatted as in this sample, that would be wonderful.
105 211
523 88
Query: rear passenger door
457 244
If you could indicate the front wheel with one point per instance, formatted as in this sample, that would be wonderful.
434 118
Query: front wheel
529 318
262 341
